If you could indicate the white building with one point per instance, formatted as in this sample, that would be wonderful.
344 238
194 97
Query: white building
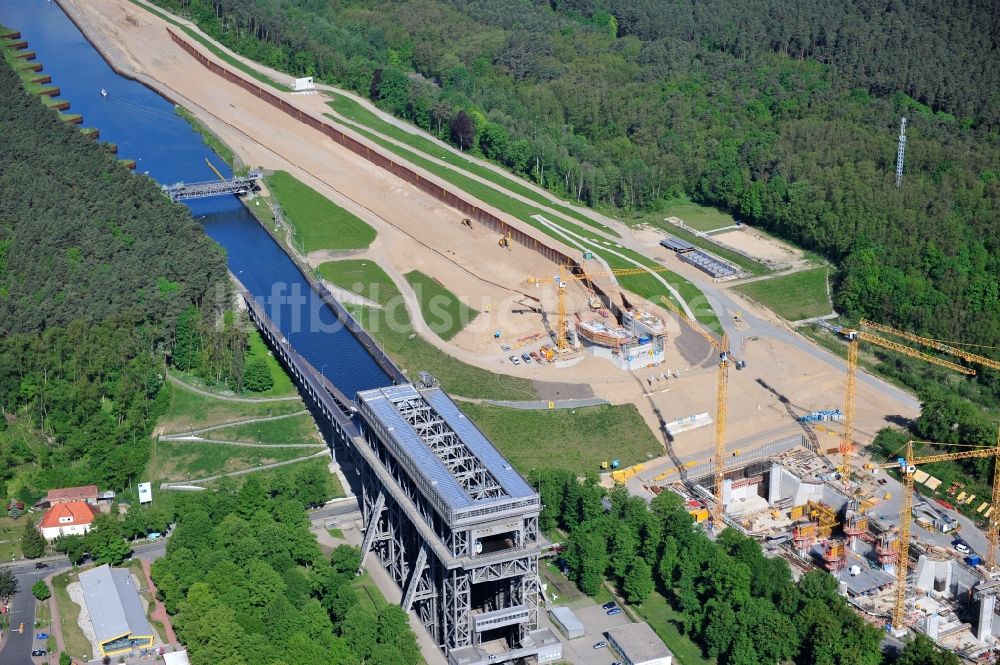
72 518
637 644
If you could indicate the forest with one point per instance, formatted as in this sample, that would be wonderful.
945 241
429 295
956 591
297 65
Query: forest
738 605
248 585
96 266
784 113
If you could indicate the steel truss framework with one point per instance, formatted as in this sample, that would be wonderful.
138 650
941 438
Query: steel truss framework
449 448
458 594
198 190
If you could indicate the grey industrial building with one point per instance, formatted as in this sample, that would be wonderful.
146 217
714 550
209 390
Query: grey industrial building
454 525
115 610
567 622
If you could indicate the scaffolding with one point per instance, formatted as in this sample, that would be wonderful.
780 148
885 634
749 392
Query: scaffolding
834 556
824 516
855 521
887 551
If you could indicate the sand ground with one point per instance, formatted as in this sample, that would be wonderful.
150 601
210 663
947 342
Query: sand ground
761 246
416 231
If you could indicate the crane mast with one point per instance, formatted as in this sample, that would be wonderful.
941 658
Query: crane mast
855 337
721 396
906 515
565 274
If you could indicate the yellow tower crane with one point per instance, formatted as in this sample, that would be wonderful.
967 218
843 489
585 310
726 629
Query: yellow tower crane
566 274
907 467
855 337
934 344
722 390
993 534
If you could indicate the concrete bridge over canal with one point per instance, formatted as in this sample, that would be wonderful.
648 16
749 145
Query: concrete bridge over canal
238 185
449 518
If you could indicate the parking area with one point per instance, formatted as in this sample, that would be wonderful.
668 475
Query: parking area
581 651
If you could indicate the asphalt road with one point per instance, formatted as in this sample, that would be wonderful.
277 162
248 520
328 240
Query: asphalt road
722 302
18 646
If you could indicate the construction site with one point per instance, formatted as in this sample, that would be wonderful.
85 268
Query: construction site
800 506
762 430
905 562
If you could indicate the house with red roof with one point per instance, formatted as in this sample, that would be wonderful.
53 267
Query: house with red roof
86 493
72 518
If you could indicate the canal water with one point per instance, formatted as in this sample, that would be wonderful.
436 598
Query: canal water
164 146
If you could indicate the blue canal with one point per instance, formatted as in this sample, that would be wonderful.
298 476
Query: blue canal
164 146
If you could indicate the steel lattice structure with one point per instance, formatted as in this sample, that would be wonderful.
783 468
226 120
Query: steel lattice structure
238 185
454 525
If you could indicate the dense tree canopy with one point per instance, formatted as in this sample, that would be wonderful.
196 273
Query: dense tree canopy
248 585
737 604
783 112
95 266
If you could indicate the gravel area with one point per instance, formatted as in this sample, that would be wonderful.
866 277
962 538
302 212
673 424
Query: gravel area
75 591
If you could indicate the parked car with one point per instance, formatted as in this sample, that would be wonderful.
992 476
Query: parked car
42 636
961 546
514 360
609 606
526 358
534 356
601 645
615 612
39 652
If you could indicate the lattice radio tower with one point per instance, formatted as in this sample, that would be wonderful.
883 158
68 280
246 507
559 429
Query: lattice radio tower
900 152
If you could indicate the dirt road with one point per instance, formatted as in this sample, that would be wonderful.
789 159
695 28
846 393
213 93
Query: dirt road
415 231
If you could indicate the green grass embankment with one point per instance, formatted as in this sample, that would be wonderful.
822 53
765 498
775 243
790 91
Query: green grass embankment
179 461
208 137
318 222
188 410
442 310
299 429
283 386
577 440
698 217
800 295
392 328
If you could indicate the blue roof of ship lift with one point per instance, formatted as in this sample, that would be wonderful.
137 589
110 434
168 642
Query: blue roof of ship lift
381 402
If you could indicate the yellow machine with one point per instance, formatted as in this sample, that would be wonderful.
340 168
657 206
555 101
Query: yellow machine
934 344
565 274
722 390
855 337
906 516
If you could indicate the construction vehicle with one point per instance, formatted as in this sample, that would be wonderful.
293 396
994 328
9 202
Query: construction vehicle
855 337
907 467
721 393
566 274
505 241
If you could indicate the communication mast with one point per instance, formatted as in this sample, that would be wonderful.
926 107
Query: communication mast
900 151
